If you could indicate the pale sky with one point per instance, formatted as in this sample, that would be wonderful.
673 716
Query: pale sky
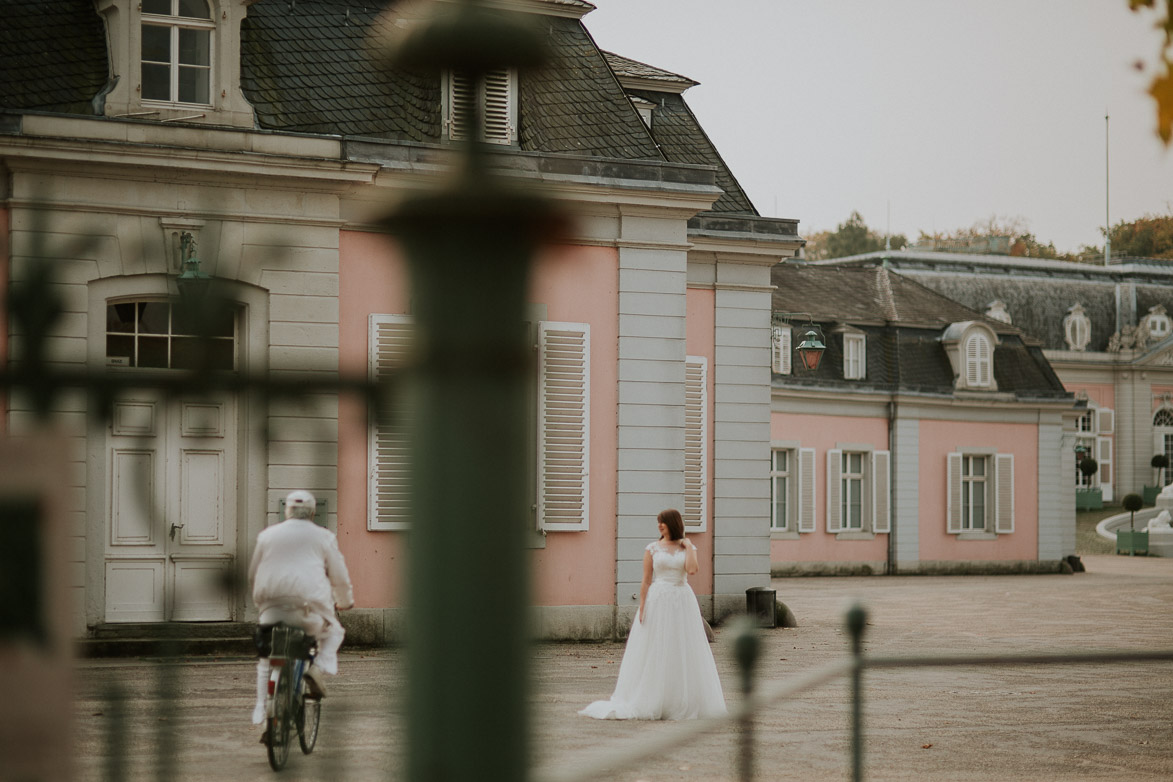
939 113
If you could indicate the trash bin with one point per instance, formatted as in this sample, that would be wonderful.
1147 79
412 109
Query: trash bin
760 603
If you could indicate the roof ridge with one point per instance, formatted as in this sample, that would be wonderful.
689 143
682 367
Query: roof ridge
888 300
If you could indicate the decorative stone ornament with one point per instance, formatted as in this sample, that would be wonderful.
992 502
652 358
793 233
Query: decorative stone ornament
1077 328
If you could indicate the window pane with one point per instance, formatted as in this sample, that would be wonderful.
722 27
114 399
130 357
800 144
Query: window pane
120 318
120 347
193 85
194 46
156 82
194 9
979 507
162 7
156 43
979 466
780 461
154 317
152 352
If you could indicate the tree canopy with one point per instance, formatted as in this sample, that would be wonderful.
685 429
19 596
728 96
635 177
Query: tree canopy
1161 87
852 237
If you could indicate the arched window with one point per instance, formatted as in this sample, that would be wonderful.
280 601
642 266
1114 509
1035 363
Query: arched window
1158 323
152 334
177 51
1163 417
978 363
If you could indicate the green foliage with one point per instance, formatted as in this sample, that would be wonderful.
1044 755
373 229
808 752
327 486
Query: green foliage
1133 502
995 235
1161 87
852 237
1088 466
1160 461
1150 236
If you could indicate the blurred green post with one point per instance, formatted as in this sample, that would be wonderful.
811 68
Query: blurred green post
469 247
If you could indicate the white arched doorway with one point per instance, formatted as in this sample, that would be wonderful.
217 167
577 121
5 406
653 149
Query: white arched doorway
1163 438
170 495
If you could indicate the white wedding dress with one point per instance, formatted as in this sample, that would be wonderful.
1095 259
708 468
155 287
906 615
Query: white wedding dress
667 671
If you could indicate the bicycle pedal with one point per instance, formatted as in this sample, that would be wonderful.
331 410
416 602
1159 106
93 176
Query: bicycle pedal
265 738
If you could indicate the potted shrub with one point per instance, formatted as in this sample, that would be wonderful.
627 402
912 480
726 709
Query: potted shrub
1132 541
1090 498
1160 463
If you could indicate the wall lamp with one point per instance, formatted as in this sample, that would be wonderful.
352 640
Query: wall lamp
810 350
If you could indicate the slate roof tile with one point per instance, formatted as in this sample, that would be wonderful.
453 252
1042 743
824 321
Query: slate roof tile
903 322
52 55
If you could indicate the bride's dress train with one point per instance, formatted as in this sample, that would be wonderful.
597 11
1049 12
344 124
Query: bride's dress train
668 672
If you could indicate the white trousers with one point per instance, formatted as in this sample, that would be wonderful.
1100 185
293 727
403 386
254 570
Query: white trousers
325 629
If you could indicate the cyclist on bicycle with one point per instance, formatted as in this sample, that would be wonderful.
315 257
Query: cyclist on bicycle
299 577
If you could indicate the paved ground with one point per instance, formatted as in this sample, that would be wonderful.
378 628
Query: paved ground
1085 722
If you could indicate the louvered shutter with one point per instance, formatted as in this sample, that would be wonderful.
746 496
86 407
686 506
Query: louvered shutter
881 491
1004 503
780 351
496 102
806 492
953 492
563 426
1105 420
460 102
498 105
977 361
696 451
389 457
1104 459
834 491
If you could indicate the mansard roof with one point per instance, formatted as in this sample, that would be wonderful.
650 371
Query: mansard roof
308 67
1037 293
903 322
52 55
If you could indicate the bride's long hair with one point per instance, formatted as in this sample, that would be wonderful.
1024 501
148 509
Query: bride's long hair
671 519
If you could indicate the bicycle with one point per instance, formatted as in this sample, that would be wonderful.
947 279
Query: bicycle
288 705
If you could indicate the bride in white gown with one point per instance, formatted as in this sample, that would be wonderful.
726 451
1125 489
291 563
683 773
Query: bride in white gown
667 671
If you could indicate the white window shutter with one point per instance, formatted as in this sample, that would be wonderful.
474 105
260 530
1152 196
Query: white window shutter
953 492
1105 420
388 455
460 99
881 491
1004 503
497 106
834 491
1104 459
564 426
696 451
806 493
780 350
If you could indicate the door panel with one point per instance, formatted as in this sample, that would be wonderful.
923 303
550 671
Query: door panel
171 542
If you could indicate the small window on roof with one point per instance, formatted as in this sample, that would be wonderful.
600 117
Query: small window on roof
1157 322
979 364
496 100
176 51
1077 328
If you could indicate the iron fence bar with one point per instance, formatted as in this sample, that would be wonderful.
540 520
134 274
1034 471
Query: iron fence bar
643 748
1070 658
856 623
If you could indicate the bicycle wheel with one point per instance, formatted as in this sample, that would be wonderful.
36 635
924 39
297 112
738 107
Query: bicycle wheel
307 722
279 724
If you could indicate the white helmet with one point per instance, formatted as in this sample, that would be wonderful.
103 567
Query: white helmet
300 504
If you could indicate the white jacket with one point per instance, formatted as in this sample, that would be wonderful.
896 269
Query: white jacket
298 563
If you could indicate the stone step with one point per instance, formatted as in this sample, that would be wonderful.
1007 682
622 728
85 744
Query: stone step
168 639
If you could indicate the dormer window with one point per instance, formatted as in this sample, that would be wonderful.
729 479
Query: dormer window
854 356
780 343
176 51
176 60
979 363
1158 323
854 352
1077 328
496 100
644 108
970 347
